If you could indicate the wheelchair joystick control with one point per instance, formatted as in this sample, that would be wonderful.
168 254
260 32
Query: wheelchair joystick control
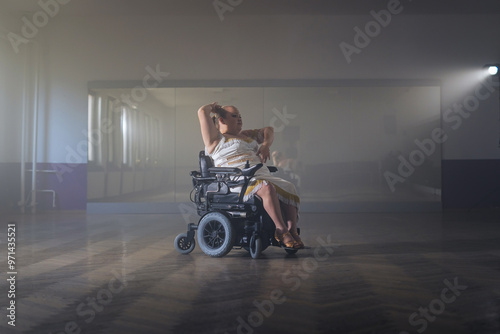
247 165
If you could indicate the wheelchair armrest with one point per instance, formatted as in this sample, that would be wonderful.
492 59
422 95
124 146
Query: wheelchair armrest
272 169
197 177
205 178
249 172
224 170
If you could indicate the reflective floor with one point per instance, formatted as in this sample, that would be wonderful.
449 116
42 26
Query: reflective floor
365 273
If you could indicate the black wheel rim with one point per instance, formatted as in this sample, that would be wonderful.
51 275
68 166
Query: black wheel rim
214 234
183 244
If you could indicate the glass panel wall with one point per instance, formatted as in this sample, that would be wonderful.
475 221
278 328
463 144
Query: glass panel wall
346 147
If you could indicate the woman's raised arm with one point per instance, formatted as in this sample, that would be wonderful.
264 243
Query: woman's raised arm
209 131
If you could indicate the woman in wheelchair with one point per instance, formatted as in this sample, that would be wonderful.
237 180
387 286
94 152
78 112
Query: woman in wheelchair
230 146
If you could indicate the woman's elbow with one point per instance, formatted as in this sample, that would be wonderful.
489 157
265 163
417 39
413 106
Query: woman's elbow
206 109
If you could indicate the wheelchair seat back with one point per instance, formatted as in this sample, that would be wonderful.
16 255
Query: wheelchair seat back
205 163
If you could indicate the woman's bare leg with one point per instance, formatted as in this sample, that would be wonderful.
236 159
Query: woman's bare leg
290 215
272 206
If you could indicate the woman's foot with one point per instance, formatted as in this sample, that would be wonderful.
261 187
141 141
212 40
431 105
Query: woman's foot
297 239
285 239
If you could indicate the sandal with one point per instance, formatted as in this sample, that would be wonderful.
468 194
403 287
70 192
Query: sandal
297 239
280 238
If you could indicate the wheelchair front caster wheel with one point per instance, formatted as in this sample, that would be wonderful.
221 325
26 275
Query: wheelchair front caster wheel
255 247
182 245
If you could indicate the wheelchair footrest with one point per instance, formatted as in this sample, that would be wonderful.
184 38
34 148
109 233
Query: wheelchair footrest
291 248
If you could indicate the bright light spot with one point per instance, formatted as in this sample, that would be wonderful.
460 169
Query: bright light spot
493 70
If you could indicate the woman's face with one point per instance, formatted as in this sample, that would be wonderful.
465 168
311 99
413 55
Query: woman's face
233 119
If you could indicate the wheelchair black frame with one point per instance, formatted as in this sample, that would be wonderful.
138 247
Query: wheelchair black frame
212 193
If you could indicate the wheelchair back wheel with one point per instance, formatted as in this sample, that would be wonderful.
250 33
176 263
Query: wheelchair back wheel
215 234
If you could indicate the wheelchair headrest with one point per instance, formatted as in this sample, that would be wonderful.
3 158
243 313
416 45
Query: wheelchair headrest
205 163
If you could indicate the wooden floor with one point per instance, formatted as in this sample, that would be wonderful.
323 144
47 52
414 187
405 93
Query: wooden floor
365 273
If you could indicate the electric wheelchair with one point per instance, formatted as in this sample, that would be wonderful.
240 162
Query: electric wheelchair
227 221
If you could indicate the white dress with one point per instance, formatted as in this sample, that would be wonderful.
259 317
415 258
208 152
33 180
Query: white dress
235 152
